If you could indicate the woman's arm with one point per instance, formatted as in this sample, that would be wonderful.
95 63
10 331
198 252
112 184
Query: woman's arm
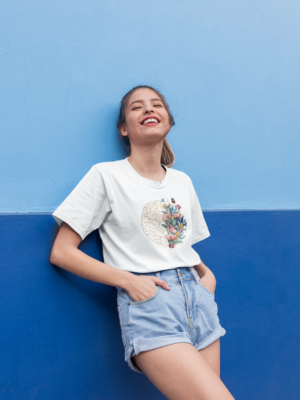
207 277
65 254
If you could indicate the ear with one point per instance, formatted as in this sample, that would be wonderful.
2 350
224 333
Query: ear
123 130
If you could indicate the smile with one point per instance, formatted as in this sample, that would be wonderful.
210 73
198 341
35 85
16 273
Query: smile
150 121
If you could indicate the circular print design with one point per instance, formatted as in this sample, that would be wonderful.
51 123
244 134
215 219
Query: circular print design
163 222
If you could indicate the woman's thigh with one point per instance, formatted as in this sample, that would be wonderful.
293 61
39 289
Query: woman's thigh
211 354
180 372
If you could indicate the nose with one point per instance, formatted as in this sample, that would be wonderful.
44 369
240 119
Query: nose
148 109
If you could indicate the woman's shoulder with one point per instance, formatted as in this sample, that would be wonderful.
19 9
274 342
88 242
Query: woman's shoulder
180 174
105 167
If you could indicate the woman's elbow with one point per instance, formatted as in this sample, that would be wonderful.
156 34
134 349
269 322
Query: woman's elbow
55 256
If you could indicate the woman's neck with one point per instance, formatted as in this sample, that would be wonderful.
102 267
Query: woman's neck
148 168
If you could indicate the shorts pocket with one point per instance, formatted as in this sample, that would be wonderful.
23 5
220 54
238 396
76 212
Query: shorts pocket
205 288
133 303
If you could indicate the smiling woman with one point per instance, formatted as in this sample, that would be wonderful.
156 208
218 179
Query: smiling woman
137 104
149 216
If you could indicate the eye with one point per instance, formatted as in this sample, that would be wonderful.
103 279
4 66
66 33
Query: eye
157 105
135 108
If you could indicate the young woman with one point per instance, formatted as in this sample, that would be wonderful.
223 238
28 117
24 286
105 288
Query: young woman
148 215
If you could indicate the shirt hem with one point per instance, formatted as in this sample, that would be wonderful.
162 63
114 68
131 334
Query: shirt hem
158 270
201 237
69 221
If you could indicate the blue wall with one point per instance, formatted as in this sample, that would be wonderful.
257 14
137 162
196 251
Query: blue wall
230 71
60 334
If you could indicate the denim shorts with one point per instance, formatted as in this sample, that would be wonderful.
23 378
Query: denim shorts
187 313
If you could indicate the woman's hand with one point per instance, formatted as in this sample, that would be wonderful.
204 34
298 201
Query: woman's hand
143 287
209 281
207 278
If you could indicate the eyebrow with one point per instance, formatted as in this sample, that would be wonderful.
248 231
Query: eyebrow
140 101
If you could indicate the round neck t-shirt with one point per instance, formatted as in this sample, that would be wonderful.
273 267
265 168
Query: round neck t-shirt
145 225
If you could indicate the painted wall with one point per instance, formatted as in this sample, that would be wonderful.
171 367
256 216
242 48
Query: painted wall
230 71
60 334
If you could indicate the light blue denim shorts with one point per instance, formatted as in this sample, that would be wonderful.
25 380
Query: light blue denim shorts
187 313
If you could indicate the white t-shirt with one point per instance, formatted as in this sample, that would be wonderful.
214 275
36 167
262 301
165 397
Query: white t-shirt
145 226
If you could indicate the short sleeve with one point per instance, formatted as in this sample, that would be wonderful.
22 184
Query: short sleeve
86 206
199 228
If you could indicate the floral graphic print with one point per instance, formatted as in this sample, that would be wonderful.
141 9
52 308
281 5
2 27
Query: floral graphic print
174 222
163 222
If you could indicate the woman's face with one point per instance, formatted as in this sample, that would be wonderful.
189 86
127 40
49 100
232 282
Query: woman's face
146 117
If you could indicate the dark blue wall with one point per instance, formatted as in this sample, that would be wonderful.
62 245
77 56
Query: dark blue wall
60 334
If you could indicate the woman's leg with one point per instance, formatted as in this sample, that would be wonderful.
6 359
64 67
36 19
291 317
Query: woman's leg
211 354
180 372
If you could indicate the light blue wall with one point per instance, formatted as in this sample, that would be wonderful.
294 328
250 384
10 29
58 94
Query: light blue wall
229 69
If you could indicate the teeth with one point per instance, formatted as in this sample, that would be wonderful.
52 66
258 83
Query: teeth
150 120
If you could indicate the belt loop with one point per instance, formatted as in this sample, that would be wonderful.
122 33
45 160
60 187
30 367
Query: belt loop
195 274
157 274
179 275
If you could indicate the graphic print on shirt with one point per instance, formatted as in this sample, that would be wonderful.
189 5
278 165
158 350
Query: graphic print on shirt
163 222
